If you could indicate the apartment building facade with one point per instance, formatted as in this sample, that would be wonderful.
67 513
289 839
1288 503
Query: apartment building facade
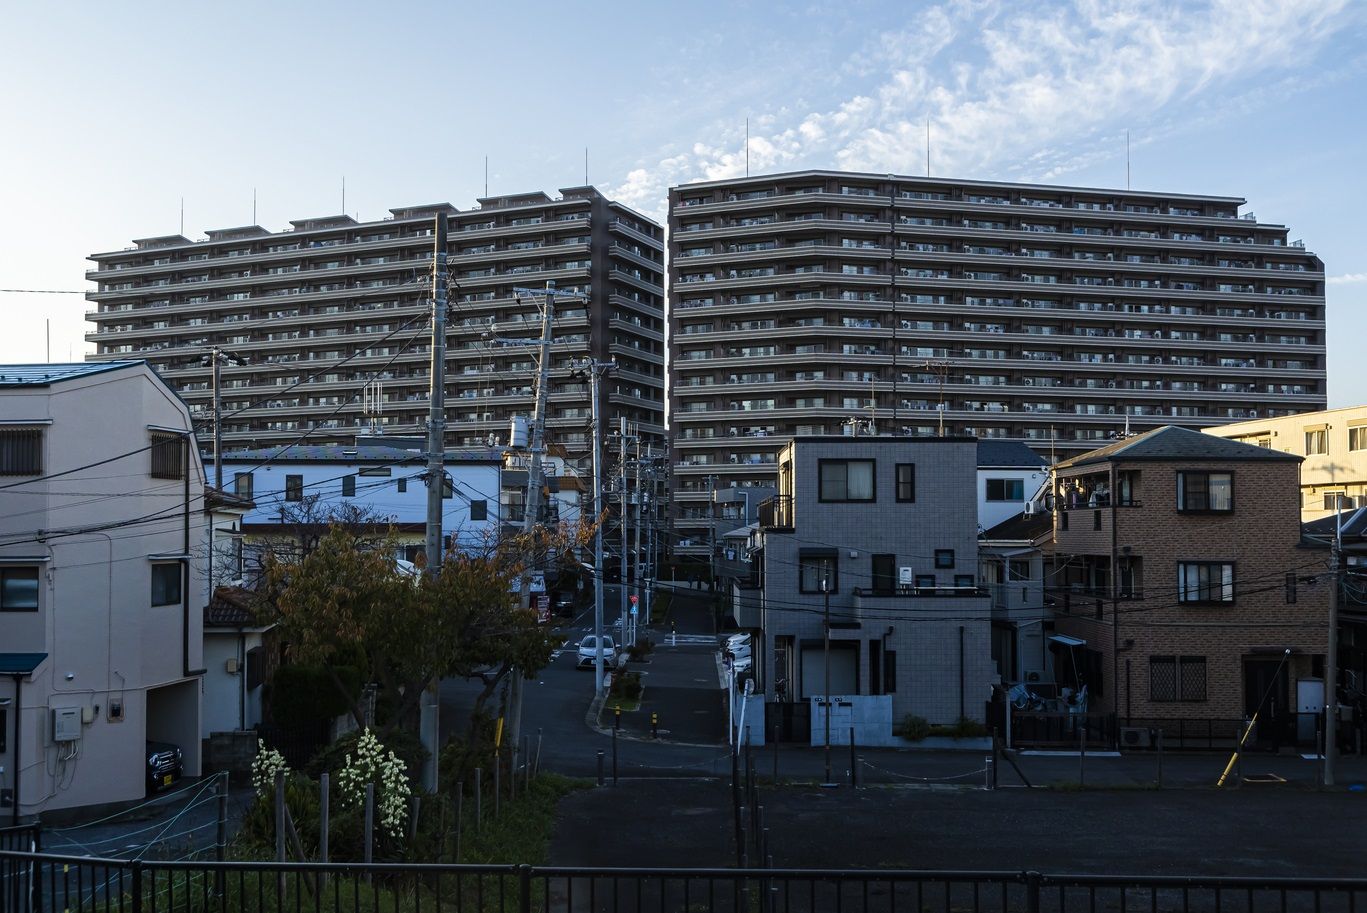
1334 444
1181 586
102 583
328 305
1044 314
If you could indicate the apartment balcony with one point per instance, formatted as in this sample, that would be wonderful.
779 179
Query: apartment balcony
776 514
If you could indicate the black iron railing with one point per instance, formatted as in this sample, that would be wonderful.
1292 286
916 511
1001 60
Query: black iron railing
776 512
116 886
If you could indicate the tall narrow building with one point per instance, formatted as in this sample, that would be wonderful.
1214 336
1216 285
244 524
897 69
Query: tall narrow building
1057 316
328 305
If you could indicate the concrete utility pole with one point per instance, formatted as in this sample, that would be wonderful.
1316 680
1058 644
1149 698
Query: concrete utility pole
623 509
217 358
536 439
636 575
1331 659
826 687
436 478
595 370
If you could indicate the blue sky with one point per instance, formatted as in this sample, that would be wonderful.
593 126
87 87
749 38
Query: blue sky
114 115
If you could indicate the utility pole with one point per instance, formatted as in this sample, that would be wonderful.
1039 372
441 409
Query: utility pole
1331 660
941 369
623 507
217 358
436 476
711 532
536 440
595 370
636 561
826 686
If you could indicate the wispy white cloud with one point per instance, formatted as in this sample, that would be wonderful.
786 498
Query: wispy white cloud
1032 93
1346 279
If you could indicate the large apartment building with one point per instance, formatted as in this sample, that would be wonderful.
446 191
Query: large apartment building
1050 315
322 308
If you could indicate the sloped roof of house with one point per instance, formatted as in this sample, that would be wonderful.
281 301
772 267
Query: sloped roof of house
45 375
1021 527
1173 443
1354 525
230 607
1002 454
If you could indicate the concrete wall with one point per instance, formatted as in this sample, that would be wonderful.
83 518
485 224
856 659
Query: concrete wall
106 643
228 705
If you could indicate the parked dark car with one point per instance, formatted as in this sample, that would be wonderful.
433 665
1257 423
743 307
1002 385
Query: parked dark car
165 765
563 605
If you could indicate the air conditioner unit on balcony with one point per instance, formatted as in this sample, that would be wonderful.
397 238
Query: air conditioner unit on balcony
1135 737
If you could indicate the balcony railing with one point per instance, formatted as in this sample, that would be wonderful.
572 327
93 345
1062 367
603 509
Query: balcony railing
905 591
776 513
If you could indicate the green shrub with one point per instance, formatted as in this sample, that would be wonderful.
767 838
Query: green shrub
627 686
913 728
641 649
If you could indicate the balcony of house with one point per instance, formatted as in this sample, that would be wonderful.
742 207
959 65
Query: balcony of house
1082 583
776 514
889 596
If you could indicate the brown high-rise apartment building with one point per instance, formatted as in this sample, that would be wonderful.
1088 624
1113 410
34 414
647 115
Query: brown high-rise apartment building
1052 315
324 306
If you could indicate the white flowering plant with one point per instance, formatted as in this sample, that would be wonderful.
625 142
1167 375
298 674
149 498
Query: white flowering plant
372 764
267 763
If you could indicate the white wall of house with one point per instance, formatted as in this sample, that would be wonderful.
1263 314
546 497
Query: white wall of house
95 538
229 705
386 488
1003 492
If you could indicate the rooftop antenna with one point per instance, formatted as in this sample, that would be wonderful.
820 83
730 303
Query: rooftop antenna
486 176
927 145
253 205
182 215
586 166
344 194
1127 159
747 147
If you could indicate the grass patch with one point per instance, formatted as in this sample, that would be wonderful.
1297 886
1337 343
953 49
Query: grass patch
522 832
624 704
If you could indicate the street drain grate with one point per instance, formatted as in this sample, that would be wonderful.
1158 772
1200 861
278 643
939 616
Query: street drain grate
1264 778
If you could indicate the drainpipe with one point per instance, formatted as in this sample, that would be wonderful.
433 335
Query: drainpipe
1115 604
188 440
18 730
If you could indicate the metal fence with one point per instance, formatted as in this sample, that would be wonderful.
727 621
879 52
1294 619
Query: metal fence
88 885
1030 729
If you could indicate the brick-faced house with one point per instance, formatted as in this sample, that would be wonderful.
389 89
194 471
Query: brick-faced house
1180 582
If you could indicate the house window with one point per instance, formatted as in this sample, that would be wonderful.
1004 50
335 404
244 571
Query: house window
384 471
448 488
1290 589
348 486
1005 490
21 452
963 580
1337 500
1205 492
884 573
479 509
944 557
294 488
242 485
166 584
889 671
1205 582
1316 441
18 589
845 480
1017 570
925 581
906 482
403 485
1177 678
818 571
1357 438
168 455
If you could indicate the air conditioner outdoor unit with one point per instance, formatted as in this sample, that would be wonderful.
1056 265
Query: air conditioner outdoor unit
1030 508
1135 737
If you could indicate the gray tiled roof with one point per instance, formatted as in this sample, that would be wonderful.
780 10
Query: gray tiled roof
46 375
1001 454
1173 443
